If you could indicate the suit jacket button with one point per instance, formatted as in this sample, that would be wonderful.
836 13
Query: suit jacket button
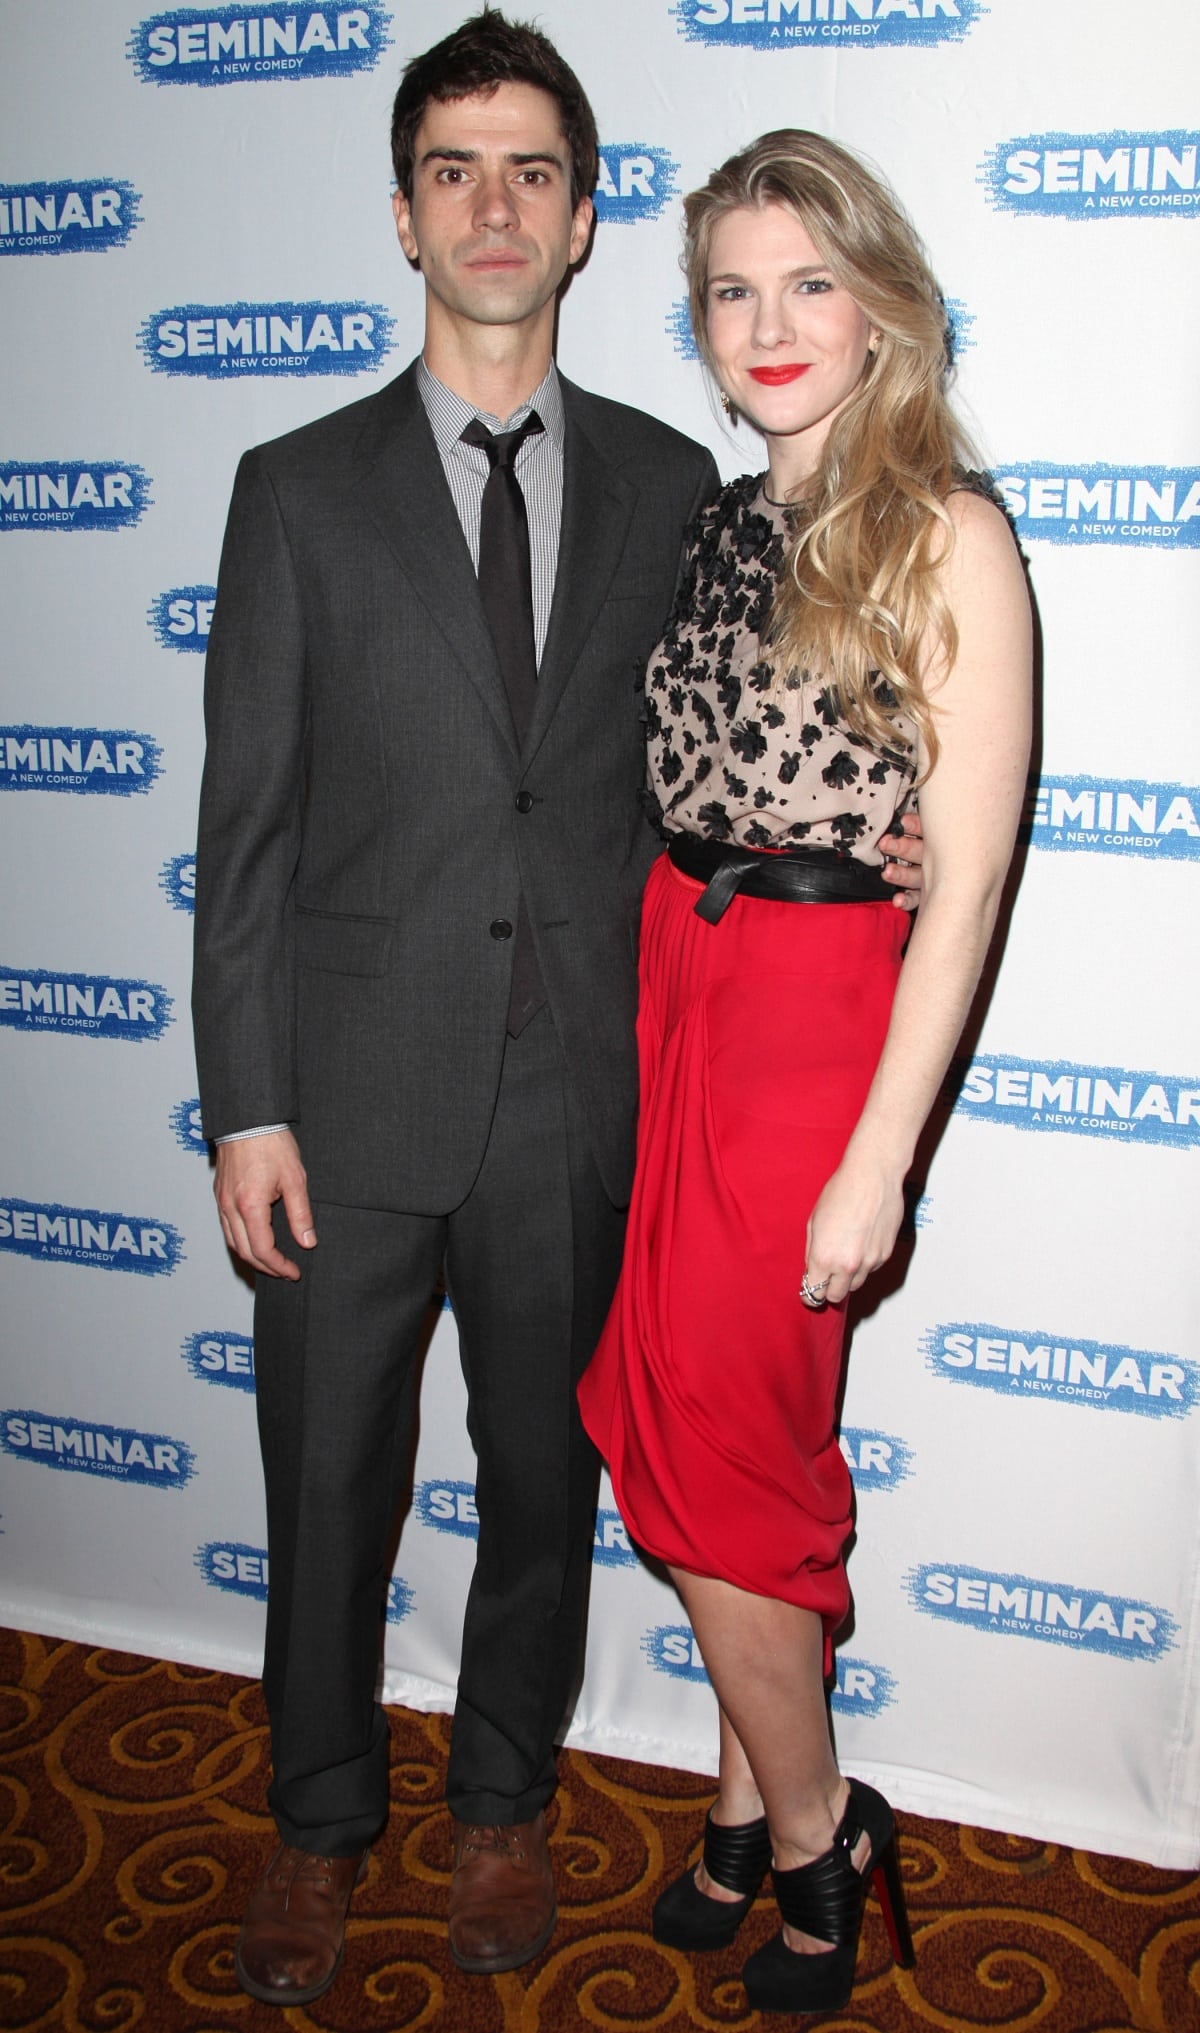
500 928
524 801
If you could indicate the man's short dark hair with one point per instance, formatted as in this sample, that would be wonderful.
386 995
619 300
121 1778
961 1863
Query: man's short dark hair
484 52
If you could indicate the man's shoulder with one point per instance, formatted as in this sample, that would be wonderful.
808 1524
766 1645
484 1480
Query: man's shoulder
623 432
332 436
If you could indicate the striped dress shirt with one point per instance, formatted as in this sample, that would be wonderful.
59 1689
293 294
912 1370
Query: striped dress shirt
539 468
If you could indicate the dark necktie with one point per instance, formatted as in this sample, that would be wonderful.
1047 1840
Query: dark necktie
505 583
506 590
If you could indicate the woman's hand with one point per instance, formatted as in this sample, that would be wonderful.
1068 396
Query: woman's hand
903 849
853 1228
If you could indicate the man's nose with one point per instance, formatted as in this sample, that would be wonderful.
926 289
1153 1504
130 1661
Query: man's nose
495 204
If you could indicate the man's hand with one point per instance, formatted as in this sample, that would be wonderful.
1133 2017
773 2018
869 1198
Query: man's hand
904 851
252 1174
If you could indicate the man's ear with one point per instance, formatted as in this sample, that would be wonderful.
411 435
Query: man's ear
402 214
581 226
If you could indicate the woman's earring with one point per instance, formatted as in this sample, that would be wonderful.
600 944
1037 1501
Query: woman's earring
729 407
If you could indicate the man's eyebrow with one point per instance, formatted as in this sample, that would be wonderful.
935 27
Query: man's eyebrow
518 160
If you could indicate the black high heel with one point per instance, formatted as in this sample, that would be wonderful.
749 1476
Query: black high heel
825 1899
736 1858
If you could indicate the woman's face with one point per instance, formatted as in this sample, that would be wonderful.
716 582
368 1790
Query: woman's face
790 345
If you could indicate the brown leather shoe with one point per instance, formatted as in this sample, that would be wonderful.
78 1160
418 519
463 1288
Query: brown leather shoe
501 1895
290 1946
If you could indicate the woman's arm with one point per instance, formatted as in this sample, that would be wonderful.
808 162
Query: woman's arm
970 806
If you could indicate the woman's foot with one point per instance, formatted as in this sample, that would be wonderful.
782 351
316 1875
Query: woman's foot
809 1965
712 1890
815 1841
733 1811
704 1907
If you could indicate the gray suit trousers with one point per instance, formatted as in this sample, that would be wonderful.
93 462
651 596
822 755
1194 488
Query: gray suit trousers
531 1258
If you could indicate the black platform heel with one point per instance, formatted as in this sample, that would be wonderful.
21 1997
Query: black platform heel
737 1858
825 1899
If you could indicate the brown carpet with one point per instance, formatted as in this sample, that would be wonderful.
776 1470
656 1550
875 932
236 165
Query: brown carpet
133 1828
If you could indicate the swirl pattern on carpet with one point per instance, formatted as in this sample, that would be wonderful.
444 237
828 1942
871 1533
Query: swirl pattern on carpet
132 1829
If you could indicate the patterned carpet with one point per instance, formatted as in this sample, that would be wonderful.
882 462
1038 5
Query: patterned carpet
134 1829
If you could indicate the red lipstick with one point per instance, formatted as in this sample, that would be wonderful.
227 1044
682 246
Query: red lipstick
778 377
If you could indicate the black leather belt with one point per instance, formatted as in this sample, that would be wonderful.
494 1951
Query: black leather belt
816 875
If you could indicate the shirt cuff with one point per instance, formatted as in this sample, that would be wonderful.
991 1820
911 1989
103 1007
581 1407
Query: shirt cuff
239 1136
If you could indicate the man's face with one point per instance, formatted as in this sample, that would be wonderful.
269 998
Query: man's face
490 220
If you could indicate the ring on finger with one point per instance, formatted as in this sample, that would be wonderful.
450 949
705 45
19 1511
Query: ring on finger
813 1295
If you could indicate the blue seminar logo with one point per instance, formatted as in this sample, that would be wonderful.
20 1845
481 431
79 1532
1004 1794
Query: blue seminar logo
220 1358
398 1600
678 327
177 880
182 616
450 1507
1095 176
861 1688
1056 1612
256 42
1128 505
221 341
72 494
98 1005
1114 815
1057 1094
960 325
635 182
1033 1364
85 1235
610 1541
875 1460
90 215
185 1121
672 1648
118 1452
108 761
447 1507
236 1568
821 24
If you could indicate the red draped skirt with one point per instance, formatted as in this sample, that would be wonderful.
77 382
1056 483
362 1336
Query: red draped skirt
713 1391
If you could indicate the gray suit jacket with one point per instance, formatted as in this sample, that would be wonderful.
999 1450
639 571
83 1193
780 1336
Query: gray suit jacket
359 827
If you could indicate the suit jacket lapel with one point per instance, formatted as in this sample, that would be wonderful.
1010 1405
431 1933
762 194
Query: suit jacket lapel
597 507
406 495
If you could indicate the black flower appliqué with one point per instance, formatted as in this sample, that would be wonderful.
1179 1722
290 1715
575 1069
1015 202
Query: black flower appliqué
841 771
747 740
722 715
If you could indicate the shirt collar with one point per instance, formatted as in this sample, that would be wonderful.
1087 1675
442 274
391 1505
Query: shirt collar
449 415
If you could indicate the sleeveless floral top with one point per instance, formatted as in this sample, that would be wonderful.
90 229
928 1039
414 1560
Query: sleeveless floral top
728 757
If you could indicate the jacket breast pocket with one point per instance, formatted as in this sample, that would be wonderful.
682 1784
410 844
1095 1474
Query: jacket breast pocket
334 942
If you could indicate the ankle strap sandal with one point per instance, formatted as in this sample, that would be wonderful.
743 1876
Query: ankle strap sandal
737 1859
825 1899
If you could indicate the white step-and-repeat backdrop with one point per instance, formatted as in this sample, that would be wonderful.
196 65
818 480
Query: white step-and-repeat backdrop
198 254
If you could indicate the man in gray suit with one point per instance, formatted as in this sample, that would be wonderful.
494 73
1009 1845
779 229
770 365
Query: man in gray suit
420 860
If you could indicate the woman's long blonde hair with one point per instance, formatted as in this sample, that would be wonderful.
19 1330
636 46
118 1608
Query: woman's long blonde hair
858 602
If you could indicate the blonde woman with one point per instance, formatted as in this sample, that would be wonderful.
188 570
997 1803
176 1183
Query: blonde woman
852 627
